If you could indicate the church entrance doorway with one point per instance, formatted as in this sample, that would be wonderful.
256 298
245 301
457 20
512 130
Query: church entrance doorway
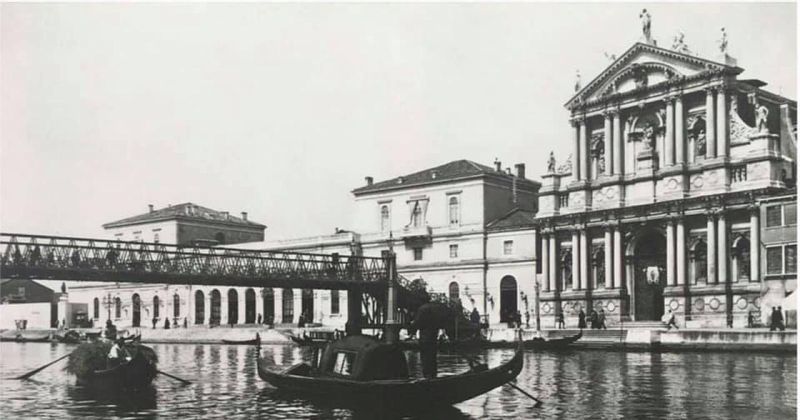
647 269
508 299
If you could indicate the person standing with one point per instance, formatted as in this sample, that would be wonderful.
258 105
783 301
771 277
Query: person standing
527 319
779 319
773 319
166 323
601 320
155 322
475 317
581 319
560 320
593 321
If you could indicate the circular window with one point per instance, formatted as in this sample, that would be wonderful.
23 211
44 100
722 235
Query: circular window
699 304
714 304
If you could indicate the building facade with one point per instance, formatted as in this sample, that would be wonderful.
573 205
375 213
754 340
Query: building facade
658 208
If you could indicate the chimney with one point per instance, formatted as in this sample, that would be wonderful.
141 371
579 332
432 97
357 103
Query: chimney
188 209
400 180
225 215
520 170
369 180
434 174
150 207
508 171
244 216
498 165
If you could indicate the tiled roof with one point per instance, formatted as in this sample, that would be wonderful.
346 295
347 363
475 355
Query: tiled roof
514 219
457 169
185 211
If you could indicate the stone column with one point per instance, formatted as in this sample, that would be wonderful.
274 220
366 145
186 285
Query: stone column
609 261
583 280
711 138
722 248
576 257
755 245
298 305
277 296
619 150
207 307
242 306
259 305
616 281
669 136
680 254
711 260
576 152
680 146
584 155
545 259
223 307
722 123
553 261
607 144
670 253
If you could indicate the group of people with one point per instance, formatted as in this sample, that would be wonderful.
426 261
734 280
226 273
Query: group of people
515 319
776 319
174 324
597 319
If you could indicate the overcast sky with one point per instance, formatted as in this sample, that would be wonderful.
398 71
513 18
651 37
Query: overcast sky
282 109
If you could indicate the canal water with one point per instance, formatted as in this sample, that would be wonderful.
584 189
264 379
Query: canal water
576 384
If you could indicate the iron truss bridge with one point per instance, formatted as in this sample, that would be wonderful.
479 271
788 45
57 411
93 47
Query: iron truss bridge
84 259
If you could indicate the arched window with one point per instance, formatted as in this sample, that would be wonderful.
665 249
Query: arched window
385 226
453 292
454 211
741 258
199 307
598 155
156 304
698 258
268 299
117 307
176 305
96 307
137 310
216 308
288 306
233 306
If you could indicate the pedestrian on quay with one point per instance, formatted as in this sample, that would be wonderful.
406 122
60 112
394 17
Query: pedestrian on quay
155 322
593 321
581 319
185 322
166 323
601 320
518 320
258 321
560 320
527 319
773 319
779 317
475 317
669 320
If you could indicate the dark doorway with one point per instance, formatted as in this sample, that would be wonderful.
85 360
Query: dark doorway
288 306
216 302
199 307
508 299
137 310
250 306
650 257
308 305
233 307
268 298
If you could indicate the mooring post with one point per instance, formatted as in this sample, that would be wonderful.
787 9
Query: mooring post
392 328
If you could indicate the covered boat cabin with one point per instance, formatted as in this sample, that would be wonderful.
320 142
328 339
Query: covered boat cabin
361 358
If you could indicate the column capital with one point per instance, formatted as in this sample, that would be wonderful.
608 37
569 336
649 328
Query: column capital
711 214
710 90
577 120
754 208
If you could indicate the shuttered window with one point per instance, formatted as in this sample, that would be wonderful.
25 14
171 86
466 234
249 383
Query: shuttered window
774 216
775 260
791 259
790 214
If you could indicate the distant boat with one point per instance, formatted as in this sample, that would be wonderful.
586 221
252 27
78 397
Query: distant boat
252 342
20 338
362 371
552 343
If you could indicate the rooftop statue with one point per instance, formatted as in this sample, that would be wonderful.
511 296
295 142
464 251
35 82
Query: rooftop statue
761 119
645 17
551 163
577 80
679 45
610 57
723 42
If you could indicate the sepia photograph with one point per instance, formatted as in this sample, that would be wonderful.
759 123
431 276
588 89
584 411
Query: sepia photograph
398 210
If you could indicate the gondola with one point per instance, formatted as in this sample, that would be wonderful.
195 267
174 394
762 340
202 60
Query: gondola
309 342
69 337
362 371
134 374
539 343
19 338
252 342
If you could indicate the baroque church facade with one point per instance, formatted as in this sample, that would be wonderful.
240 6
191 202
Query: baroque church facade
659 208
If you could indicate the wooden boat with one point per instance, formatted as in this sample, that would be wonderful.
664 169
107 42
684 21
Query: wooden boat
539 343
362 371
134 374
309 342
69 337
252 342
19 338
447 345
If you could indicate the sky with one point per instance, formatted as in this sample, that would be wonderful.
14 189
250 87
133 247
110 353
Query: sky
281 110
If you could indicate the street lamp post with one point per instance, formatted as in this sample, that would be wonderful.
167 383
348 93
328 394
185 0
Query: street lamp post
107 301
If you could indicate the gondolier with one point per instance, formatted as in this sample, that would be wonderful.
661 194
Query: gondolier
430 317
115 355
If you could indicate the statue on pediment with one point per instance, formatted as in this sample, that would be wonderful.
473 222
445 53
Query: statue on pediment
610 57
723 42
761 119
551 163
639 76
577 80
679 45
645 18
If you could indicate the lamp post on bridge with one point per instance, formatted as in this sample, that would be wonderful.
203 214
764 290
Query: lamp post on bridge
107 301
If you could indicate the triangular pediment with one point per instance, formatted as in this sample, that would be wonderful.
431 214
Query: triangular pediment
644 65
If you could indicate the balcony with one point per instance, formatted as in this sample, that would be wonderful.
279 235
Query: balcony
418 234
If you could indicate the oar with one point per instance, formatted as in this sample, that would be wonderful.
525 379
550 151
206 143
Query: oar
39 369
538 401
185 382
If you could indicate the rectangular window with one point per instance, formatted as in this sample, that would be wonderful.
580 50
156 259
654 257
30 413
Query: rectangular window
774 214
508 247
790 259
790 214
417 254
334 301
775 260
453 251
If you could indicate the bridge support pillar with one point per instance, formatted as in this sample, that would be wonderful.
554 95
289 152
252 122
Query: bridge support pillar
353 326
392 330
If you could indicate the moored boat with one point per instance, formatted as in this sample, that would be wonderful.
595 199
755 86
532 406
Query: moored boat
69 337
20 338
363 371
252 342
539 343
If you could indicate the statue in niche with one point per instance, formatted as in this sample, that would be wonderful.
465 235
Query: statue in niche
649 136
645 18
723 42
551 163
700 143
761 119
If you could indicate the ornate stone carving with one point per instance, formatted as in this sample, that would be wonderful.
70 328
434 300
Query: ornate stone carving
679 45
639 74
761 119
565 167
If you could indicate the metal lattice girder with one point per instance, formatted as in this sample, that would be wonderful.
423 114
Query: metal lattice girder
64 258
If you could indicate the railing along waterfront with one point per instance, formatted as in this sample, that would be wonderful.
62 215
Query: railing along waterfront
68 258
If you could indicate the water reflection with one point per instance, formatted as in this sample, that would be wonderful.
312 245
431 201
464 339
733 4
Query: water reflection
575 384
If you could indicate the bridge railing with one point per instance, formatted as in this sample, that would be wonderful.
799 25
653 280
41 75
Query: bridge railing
61 257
